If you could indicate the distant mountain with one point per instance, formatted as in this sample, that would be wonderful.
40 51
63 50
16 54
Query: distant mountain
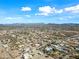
67 26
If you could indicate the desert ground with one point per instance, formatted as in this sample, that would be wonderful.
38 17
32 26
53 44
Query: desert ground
49 41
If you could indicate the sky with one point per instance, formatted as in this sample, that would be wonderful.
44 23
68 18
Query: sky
39 11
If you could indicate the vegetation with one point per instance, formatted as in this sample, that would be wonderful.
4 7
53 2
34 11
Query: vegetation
58 41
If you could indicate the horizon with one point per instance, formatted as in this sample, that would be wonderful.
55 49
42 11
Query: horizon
39 11
42 23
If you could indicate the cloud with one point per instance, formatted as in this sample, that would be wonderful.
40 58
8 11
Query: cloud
9 18
73 9
26 9
13 18
41 14
59 11
65 17
28 16
46 10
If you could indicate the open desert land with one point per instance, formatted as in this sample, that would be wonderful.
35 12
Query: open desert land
47 41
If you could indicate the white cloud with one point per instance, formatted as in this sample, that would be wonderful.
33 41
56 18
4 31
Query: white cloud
26 9
73 9
65 18
12 18
42 14
46 10
9 18
28 16
59 11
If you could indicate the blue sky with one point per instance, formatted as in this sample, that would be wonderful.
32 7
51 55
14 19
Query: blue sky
39 11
